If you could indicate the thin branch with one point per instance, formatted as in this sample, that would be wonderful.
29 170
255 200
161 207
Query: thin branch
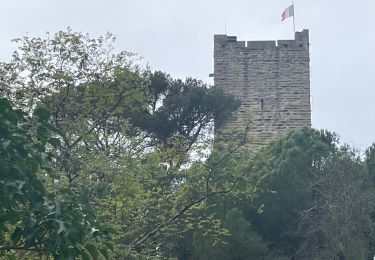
23 248
151 233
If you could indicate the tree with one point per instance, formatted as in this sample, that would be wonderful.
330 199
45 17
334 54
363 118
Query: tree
337 224
321 194
32 217
180 114
131 171
85 86
285 168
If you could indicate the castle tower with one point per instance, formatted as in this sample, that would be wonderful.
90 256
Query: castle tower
271 79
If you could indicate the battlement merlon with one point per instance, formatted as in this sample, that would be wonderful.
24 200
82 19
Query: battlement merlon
301 41
271 79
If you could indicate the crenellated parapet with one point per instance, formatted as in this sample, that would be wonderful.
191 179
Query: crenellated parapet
301 41
271 78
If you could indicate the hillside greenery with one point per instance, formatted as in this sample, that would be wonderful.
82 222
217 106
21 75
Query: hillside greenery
101 158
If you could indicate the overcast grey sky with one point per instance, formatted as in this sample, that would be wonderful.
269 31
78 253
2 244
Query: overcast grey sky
176 36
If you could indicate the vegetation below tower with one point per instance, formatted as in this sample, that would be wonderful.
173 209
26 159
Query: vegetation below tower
100 158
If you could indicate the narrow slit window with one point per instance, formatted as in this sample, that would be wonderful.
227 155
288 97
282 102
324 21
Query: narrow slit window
261 104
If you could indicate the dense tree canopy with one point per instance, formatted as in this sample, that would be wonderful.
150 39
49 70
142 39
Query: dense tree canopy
33 216
101 158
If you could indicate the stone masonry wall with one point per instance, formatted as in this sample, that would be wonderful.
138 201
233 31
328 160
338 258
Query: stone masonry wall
271 79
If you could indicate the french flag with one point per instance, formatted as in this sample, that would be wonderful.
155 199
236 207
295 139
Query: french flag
288 12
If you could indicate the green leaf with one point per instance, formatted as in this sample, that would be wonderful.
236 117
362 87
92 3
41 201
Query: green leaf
93 250
54 142
104 252
86 256
42 113
16 235
11 257
109 246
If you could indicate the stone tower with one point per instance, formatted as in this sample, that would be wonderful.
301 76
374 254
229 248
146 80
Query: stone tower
270 78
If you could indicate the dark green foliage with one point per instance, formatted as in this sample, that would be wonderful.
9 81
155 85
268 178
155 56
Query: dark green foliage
127 169
283 192
179 108
20 159
337 221
135 148
236 241
32 218
313 198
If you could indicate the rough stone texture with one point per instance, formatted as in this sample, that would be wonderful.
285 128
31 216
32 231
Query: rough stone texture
271 79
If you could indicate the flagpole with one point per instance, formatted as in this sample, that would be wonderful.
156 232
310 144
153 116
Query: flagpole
294 21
